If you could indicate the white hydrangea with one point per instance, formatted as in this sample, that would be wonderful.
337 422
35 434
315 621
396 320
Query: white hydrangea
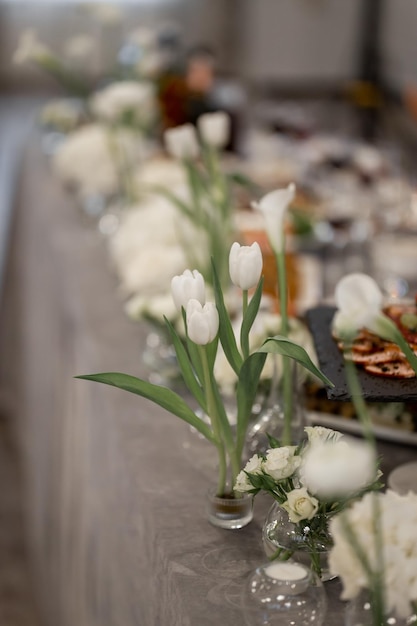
89 159
148 248
399 539
119 98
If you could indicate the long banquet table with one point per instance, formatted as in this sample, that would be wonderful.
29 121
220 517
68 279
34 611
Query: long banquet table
115 486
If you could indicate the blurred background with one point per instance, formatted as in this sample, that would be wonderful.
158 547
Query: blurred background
305 82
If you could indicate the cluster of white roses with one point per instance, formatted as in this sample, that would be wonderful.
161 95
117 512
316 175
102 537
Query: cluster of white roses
398 519
320 476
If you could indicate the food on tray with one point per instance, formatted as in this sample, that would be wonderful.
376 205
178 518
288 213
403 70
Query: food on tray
384 358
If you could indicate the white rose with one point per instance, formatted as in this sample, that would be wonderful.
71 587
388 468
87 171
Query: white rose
319 434
300 505
242 483
281 462
254 465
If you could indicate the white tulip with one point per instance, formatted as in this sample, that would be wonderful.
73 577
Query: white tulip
189 285
245 265
359 301
202 322
181 142
300 505
214 128
274 206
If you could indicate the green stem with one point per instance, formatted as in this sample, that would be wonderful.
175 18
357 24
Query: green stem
245 338
215 422
282 554
357 399
376 578
287 396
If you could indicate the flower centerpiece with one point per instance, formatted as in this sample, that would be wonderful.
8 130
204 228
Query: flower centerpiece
310 483
375 555
205 324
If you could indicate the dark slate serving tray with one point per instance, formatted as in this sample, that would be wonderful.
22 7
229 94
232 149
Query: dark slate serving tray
375 388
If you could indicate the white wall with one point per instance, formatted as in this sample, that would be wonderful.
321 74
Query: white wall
300 39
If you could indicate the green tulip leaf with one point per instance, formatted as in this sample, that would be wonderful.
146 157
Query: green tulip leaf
164 397
286 347
186 367
251 313
226 334
247 387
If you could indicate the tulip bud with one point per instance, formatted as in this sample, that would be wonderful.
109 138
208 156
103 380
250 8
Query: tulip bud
214 128
181 142
190 284
274 206
245 265
202 322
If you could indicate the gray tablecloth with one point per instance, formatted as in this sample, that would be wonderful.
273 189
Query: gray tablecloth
115 486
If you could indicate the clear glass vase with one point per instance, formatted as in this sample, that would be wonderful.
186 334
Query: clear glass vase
268 416
283 594
228 511
307 542
359 613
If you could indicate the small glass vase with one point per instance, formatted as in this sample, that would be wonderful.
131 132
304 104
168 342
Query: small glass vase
359 613
268 412
228 511
307 542
284 594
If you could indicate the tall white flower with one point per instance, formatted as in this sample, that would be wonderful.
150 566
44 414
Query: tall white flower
202 322
245 265
359 301
274 206
189 285
181 142
334 469
80 48
214 128
30 48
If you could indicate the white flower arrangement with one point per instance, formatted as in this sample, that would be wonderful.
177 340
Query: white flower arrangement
358 561
127 102
206 324
90 159
313 481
